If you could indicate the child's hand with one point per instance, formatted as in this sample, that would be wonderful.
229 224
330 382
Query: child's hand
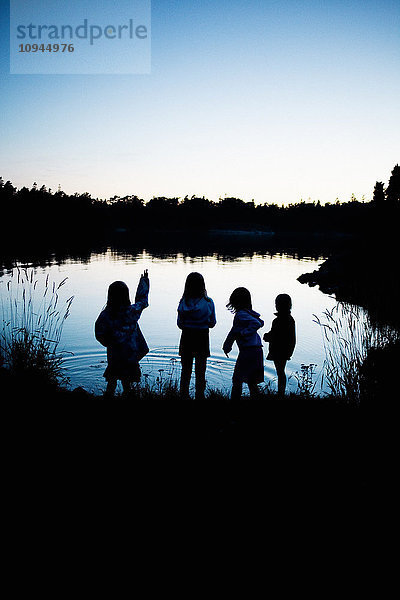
226 349
266 337
145 274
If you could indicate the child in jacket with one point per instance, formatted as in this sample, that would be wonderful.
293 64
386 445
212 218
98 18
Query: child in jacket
196 315
118 330
249 367
282 339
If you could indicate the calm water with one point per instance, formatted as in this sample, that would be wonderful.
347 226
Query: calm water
264 275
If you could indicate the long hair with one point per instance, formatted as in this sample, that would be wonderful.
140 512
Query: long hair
283 304
240 299
117 297
194 286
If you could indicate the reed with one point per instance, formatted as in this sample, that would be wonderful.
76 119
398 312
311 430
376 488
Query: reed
349 335
32 324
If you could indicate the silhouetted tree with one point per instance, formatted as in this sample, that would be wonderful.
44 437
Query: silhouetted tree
379 194
231 203
393 189
197 204
162 203
162 211
133 202
7 190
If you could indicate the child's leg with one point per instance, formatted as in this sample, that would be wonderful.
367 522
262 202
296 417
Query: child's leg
200 372
254 391
280 371
111 386
236 392
187 366
237 379
126 385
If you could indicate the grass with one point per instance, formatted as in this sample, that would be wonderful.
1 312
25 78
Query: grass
349 336
166 390
32 324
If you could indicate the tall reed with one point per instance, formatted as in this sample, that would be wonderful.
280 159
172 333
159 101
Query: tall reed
348 337
32 324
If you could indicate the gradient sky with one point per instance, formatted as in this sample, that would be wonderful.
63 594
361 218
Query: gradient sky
274 101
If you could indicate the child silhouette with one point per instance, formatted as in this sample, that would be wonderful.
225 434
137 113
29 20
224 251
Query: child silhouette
249 367
282 339
118 330
196 314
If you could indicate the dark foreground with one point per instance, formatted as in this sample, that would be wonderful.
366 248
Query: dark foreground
262 449
163 480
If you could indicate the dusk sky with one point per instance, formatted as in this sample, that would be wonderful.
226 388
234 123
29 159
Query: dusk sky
274 101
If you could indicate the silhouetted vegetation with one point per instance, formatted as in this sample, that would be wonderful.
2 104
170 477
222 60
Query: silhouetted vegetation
31 326
379 194
393 189
364 270
38 213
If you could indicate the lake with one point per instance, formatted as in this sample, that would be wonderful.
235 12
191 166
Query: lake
264 273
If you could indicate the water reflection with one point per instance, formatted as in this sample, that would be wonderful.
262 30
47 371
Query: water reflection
168 246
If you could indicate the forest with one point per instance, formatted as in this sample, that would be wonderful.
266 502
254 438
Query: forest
36 213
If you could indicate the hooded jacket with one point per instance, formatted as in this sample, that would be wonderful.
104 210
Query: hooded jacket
196 313
120 332
244 331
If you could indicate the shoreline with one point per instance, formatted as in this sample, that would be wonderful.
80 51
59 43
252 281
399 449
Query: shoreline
361 276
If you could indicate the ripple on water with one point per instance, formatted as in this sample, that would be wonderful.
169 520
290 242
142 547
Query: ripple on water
86 368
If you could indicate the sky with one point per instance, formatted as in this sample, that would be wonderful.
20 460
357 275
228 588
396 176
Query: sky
271 101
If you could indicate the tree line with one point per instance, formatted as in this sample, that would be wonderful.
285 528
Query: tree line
33 212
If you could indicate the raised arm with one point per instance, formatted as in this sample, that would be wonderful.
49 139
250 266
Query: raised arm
142 292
